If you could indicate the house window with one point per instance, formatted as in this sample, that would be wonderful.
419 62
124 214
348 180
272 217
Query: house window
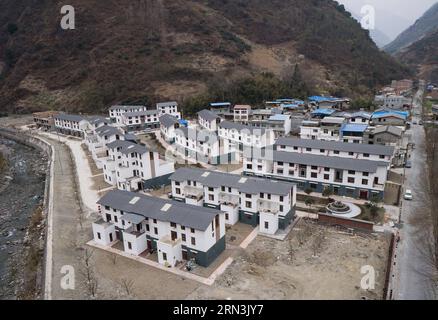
211 197
350 180
155 220
156 230
351 172
178 191
364 181
99 236
266 225
183 237
173 224
366 155
314 168
223 189
116 219
147 228
248 196
366 174
314 175
193 241
336 152
192 230
129 245
211 189
326 177
281 198
227 216
248 204
281 208
164 256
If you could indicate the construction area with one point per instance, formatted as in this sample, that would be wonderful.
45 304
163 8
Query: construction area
314 262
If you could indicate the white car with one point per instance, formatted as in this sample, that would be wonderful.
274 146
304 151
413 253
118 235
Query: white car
408 195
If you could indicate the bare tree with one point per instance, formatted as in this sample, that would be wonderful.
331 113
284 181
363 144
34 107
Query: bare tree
88 272
318 242
127 285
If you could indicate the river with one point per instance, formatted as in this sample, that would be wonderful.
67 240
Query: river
18 201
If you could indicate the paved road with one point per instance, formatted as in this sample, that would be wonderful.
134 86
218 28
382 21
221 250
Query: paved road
412 262
66 233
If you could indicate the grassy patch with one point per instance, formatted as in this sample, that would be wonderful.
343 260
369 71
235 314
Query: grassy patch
368 214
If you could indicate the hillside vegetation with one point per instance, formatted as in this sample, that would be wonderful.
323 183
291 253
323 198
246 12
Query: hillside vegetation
141 51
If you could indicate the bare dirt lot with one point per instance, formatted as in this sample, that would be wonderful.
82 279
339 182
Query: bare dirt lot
271 269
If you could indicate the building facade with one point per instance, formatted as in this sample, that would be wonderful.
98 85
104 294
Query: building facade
176 231
259 202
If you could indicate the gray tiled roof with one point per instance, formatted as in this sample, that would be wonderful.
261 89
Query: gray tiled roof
108 130
126 107
167 104
168 120
328 162
69 117
208 115
390 129
217 179
336 145
186 215
98 120
240 127
134 147
141 113
119 144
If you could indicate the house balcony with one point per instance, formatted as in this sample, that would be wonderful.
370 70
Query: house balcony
228 199
132 231
268 206
193 193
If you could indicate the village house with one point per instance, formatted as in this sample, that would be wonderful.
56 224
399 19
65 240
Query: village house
145 120
356 178
116 112
279 124
360 117
169 108
336 149
266 203
168 126
199 145
45 120
132 167
70 124
238 139
353 133
384 135
177 232
242 113
209 120
388 118
328 128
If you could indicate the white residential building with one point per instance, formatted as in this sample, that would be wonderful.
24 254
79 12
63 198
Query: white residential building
132 167
209 120
356 178
170 108
198 145
70 124
238 139
140 120
279 124
116 112
336 149
176 231
168 126
269 204
328 129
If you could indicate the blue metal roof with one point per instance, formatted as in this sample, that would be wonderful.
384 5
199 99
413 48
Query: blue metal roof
351 127
220 104
290 106
381 113
321 98
325 112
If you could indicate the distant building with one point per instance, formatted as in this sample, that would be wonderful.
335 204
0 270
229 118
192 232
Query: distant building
168 126
169 108
328 128
70 124
116 112
45 120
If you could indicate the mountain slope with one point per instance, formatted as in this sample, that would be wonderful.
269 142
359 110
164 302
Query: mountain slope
423 55
426 24
144 50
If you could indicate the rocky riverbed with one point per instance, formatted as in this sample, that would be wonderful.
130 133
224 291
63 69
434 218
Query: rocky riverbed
21 221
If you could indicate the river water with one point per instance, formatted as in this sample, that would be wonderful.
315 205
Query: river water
24 193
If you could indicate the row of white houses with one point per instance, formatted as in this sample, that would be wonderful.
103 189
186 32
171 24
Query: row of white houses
266 203
176 231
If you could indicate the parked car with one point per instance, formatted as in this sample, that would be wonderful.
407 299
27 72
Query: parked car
408 164
408 194
420 122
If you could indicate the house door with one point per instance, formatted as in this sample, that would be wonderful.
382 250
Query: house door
185 255
111 237
149 244
363 194
108 217
174 235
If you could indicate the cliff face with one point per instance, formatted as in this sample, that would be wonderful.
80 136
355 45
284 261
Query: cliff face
427 24
138 50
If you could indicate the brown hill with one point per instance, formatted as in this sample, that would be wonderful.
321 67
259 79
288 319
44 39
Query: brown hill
145 50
